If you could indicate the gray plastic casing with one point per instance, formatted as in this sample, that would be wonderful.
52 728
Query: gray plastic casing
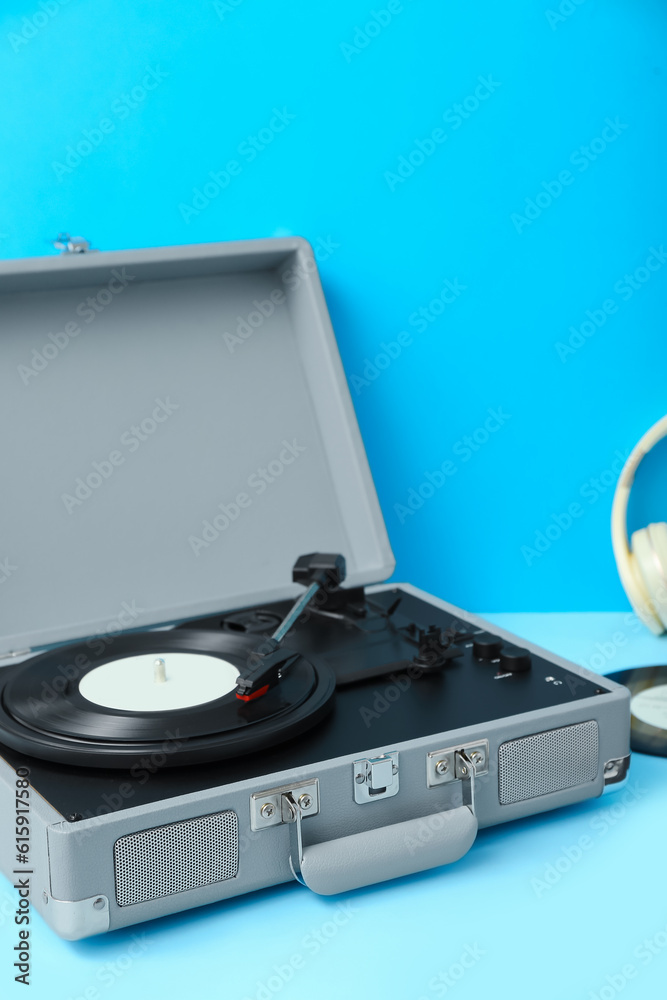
74 863
202 373
177 430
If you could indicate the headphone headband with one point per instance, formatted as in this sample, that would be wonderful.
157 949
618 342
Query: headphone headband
633 583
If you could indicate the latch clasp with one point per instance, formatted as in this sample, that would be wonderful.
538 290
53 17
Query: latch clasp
376 777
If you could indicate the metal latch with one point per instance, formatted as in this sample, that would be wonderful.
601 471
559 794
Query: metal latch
294 814
376 777
442 765
465 771
271 808
460 766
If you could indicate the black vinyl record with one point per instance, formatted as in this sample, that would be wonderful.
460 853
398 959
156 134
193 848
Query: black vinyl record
648 705
44 714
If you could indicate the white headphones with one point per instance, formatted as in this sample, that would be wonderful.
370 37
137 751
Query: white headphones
642 563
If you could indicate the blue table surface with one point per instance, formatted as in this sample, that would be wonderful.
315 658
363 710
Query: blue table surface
532 911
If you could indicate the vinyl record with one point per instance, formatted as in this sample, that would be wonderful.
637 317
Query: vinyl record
100 710
648 705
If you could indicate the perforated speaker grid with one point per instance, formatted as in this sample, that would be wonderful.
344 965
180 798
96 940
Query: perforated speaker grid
547 762
176 857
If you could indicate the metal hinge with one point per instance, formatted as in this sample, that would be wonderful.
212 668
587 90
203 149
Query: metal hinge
72 244
616 770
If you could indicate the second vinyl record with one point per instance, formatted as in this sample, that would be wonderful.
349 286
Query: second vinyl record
648 727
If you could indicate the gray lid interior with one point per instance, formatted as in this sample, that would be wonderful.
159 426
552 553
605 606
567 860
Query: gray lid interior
166 406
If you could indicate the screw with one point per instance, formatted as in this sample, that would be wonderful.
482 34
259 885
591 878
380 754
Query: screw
610 765
268 810
442 767
99 903
305 801
464 770
394 768
359 778
476 757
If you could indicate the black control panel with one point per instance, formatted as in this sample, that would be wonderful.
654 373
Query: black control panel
483 678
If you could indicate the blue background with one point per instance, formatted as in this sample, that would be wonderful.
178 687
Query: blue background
360 104
324 177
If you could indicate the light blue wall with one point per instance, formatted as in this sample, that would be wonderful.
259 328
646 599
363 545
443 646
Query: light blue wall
387 244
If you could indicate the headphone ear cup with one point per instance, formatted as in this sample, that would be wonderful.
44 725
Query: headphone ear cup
649 563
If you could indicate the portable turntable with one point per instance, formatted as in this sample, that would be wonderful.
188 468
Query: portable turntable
206 688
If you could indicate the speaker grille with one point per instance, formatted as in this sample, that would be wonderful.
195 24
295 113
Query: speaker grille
176 857
547 762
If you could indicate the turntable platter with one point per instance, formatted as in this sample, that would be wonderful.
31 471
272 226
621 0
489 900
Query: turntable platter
109 709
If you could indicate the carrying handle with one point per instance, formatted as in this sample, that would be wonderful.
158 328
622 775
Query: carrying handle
388 852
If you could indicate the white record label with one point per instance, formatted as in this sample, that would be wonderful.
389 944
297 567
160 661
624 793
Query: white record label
650 706
158 682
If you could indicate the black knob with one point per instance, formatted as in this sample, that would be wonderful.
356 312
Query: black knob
514 660
486 646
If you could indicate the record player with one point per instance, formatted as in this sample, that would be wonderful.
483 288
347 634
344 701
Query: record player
206 688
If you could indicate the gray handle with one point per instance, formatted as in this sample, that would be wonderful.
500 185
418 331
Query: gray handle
389 852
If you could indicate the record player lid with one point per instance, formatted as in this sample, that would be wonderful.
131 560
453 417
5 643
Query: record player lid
177 430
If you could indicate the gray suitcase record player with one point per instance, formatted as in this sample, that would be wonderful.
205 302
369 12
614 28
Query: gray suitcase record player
205 686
